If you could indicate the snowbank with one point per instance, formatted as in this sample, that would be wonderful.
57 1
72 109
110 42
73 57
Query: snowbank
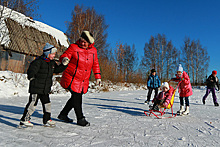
17 84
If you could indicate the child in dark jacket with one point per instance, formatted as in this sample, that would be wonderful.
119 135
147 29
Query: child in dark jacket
153 83
40 73
211 82
163 98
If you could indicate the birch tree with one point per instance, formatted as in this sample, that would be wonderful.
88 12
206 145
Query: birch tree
195 59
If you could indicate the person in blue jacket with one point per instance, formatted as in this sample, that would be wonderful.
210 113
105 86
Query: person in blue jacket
153 83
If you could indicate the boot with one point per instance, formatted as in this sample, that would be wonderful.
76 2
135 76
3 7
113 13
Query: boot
83 122
216 104
181 109
203 101
147 102
186 112
64 118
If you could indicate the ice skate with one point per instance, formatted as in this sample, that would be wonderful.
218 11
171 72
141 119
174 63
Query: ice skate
50 123
25 124
186 112
181 110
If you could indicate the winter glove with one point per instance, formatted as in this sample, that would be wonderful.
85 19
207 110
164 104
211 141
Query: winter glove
65 61
181 79
98 82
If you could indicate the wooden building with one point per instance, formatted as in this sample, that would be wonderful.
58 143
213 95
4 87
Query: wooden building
25 41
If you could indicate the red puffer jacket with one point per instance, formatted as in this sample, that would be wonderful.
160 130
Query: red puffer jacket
77 74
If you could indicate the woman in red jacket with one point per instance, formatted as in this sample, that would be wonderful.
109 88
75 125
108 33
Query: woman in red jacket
81 57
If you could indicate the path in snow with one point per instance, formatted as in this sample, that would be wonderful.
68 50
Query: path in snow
116 118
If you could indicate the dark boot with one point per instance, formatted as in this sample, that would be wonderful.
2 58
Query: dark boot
83 122
216 104
203 101
64 118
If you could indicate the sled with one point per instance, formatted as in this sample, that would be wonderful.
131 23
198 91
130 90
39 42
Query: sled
160 113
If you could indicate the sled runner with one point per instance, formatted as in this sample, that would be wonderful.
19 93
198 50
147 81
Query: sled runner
160 113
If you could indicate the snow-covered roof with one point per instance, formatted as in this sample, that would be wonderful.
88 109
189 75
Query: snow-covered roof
25 21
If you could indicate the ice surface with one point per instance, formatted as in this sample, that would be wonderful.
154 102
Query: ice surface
117 119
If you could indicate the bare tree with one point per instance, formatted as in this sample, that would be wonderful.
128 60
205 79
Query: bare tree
26 7
119 58
186 54
201 62
196 59
149 59
171 60
88 19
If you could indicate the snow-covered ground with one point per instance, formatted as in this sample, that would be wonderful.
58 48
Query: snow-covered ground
117 119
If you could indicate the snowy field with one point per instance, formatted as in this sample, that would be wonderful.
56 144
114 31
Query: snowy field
117 119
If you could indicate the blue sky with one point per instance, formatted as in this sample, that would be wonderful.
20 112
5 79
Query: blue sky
133 22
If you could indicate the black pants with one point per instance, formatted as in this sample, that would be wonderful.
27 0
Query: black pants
74 102
150 92
186 101
32 103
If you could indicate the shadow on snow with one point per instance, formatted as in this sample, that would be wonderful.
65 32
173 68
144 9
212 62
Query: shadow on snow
15 110
129 110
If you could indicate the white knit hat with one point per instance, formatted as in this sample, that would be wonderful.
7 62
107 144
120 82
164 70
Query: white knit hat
88 37
180 68
165 84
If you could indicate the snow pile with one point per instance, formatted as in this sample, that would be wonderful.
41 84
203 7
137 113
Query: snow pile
13 84
108 86
17 84
26 21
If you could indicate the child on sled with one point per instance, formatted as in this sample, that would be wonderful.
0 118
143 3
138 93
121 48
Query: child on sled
163 98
